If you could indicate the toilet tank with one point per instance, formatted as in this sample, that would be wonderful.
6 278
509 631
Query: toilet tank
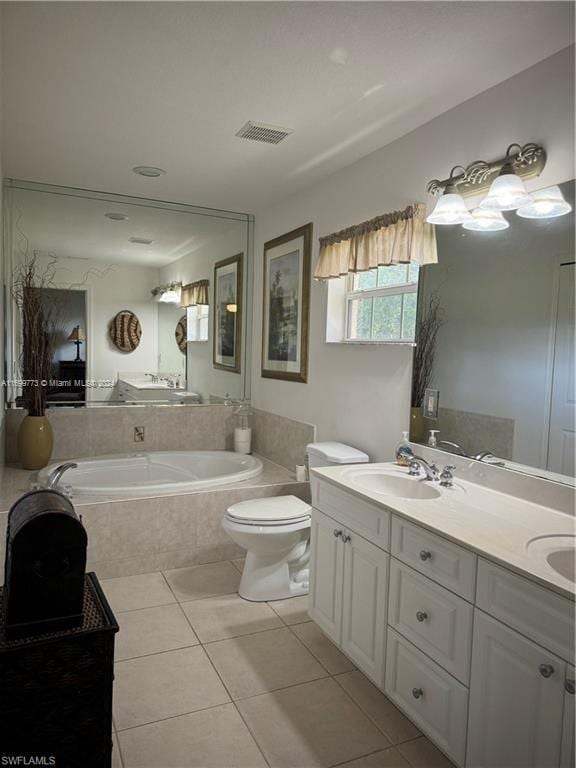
331 454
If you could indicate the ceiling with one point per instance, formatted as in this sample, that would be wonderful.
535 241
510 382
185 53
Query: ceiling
92 89
77 228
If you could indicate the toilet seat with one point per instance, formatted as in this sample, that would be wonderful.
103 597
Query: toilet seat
276 510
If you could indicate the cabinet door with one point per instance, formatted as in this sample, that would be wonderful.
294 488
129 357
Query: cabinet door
516 700
364 607
567 757
326 561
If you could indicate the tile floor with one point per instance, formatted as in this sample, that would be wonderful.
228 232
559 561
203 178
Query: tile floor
205 679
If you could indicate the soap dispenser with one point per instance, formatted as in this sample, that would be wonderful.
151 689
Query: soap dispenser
404 453
432 441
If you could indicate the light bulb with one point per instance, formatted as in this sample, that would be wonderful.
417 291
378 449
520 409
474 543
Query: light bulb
507 192
545 204
450 209
486 221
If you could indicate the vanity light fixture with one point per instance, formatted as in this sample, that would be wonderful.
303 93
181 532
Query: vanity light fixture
149 171
546 203
450 208
486 221
521 162
168 294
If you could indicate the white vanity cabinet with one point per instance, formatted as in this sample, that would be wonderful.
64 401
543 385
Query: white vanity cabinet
476 655
348 592
516 700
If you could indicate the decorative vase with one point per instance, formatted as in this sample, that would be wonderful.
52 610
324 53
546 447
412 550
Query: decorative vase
35 442
417 429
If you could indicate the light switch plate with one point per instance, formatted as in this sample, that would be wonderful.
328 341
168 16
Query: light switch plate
431 398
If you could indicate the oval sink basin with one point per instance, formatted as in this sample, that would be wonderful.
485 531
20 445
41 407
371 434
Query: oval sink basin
395 485
559 551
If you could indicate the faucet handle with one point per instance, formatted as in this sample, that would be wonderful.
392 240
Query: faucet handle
414 468
447 476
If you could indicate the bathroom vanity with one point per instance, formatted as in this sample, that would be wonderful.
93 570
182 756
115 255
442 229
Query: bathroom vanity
447 599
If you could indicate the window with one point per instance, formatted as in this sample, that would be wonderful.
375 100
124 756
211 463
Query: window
381 304
197 322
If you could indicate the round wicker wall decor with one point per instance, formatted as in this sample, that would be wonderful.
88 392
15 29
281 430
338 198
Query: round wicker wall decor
181 333
125 331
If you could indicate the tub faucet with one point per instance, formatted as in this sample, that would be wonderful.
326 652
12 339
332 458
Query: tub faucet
431 470
56 475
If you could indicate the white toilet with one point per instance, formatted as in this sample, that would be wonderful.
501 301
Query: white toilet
275 532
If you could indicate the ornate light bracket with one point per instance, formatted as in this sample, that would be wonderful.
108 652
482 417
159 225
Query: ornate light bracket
528 162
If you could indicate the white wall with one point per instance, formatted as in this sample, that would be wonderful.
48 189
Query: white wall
203 378
361 394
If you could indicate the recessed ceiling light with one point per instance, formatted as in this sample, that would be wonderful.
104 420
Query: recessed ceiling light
149 171
140 240
116 216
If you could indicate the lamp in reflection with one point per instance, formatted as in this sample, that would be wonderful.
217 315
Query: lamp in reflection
545 204
77 335
486 221
232 308
168 294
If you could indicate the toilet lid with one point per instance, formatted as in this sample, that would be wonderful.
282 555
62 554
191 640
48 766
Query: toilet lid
272 509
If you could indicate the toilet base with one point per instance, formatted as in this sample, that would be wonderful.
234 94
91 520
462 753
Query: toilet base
264 578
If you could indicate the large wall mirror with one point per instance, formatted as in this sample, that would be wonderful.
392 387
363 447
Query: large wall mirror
128 285
502 381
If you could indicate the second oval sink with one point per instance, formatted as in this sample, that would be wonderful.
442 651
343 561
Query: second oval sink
394 485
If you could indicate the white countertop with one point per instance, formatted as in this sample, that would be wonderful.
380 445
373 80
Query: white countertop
488 522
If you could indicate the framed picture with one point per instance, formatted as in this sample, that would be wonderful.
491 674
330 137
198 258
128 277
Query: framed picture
228 313
286 306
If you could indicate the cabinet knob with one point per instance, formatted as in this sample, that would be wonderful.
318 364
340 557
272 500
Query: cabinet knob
417 692
346 538
337 533
425 554
421 615
570 686
546 670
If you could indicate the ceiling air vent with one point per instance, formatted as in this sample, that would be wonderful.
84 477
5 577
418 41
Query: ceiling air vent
269 134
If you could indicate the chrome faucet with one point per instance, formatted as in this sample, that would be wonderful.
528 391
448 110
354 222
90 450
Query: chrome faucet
457 449
483 455
56 475
431 470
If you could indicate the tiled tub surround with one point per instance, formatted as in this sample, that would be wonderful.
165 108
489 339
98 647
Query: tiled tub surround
100 430
280 439
207 680
131 536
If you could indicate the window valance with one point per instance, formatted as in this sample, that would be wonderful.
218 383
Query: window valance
393 238
195 293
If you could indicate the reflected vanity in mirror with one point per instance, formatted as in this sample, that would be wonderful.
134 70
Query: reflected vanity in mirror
128 285
501 388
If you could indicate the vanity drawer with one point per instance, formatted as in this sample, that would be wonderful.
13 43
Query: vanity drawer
359 515
534 611
450 565
432 699
434 619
